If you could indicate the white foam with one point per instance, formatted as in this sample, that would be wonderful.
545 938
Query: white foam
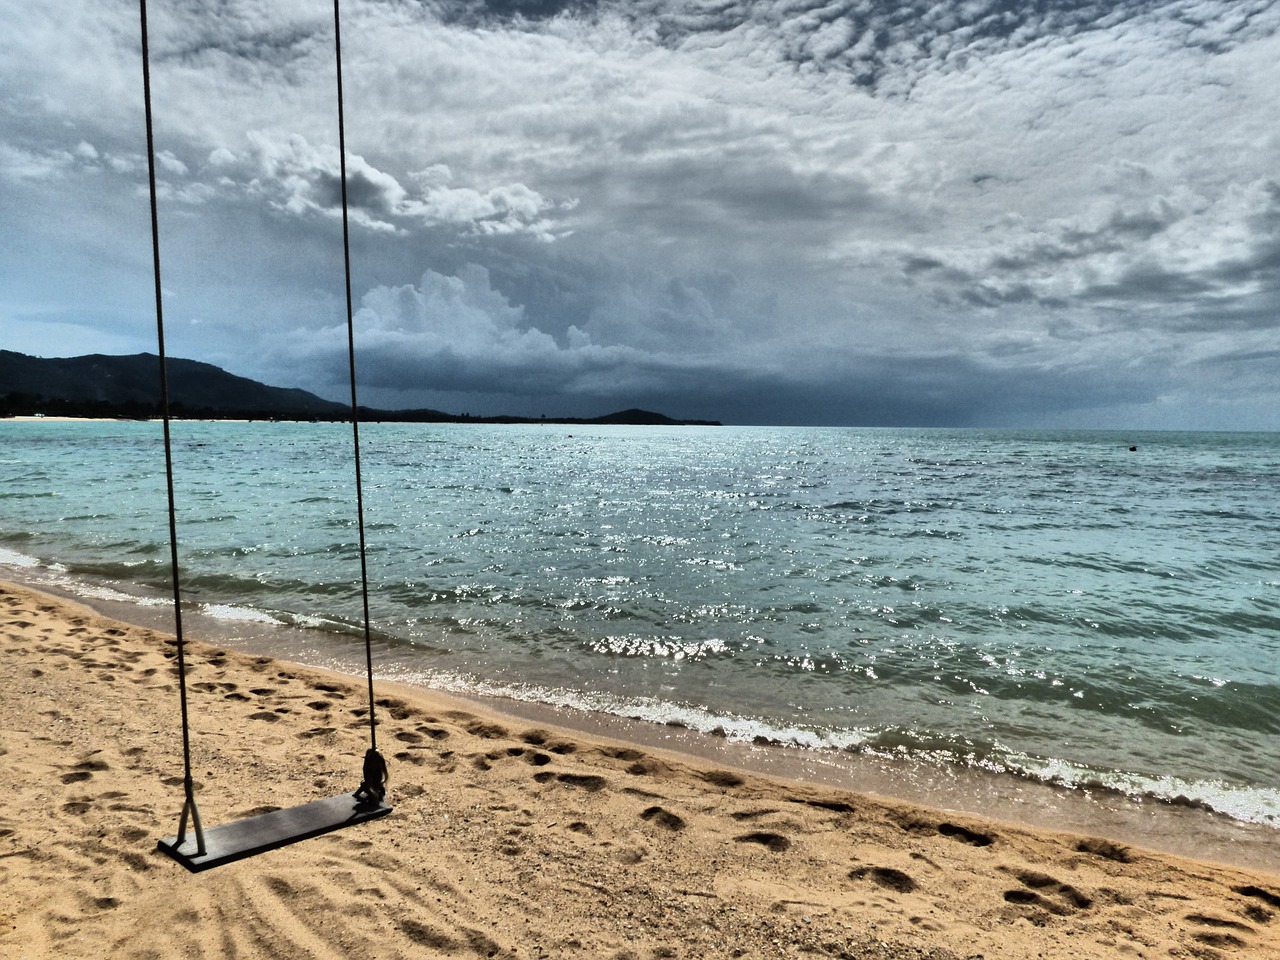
226 611
740 729
1249 804
100 592
12 558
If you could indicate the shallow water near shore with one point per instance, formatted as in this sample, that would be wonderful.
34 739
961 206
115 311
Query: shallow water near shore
1180 829
1039 607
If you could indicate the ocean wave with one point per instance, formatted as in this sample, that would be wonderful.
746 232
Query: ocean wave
649 709
232 612
1245 803
12 558
92 591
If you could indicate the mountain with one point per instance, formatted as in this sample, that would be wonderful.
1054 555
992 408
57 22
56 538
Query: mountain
646 418
103 386
128 387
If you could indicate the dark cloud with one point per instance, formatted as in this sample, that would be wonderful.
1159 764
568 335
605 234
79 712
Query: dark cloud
523 9
878 43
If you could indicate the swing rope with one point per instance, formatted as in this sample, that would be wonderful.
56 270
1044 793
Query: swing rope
325 815
375 768
188 785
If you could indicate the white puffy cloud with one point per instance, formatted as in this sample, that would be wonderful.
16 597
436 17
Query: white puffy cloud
459 333
295 176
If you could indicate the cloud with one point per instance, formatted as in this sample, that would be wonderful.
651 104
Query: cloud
458 335
294 176
1016 209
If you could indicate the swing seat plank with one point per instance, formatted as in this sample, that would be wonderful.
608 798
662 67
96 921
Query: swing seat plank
269 831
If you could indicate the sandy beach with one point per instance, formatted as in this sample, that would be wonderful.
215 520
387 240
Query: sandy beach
509 839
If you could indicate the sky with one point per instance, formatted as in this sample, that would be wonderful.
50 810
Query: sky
1027 213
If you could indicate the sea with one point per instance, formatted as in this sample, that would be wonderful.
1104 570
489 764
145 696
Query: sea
1092 610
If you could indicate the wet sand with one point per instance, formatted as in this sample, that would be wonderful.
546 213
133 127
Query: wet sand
511 837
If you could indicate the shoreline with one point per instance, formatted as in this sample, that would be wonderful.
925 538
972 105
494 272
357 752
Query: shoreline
511 838
32 418
1180 830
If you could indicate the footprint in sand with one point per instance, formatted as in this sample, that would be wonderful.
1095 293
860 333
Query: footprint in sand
773 842
648 767
1045 892
534 757
887 877
965 835
429 937
487 731
541 738
582 781
723 778
835 806
1258 893
752 814
953 831
1220 932
398 709
663 818
629 754
1105 849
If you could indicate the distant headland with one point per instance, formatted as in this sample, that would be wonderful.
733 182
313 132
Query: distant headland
127 387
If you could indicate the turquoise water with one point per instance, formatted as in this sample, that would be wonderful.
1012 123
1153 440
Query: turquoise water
1050 604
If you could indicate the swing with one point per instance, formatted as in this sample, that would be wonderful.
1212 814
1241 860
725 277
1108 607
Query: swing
203 849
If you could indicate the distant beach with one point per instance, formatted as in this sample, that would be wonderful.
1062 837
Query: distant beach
40 418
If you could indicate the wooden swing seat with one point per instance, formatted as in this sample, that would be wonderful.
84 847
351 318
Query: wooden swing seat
269 831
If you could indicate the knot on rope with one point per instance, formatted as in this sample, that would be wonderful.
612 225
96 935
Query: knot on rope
373 785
